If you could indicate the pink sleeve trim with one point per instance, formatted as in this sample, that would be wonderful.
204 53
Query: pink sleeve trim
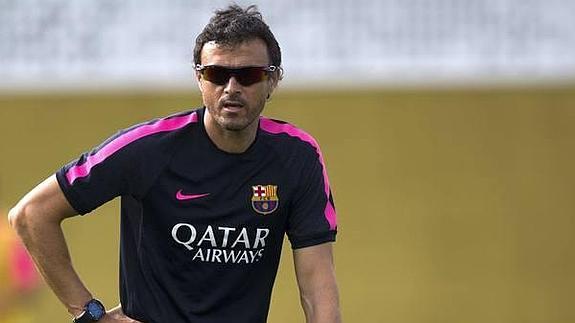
163 125
276 128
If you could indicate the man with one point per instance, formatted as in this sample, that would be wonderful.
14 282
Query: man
207 196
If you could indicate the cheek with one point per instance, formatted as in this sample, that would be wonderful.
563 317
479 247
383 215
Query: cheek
260 93
210 95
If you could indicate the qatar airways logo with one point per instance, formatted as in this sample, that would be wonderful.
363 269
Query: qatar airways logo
222 244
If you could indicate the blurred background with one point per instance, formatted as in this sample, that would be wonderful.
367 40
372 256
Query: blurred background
447 127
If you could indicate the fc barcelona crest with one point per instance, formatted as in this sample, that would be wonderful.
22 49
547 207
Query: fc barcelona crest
265 198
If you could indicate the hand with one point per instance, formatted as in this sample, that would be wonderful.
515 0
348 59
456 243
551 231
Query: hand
116 315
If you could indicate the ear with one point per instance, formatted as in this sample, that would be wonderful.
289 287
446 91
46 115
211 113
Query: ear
274 80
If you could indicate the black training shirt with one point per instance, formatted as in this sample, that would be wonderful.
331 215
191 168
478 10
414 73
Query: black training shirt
202 229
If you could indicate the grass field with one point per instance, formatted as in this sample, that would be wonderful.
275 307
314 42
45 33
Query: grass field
454 205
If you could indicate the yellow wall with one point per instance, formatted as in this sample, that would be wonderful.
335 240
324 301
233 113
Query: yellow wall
454 206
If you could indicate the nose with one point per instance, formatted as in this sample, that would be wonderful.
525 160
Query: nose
233 86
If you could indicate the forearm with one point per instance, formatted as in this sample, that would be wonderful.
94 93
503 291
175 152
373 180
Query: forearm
42 235
321 306
317 283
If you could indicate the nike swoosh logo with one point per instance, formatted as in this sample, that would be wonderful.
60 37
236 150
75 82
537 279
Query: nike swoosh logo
184 197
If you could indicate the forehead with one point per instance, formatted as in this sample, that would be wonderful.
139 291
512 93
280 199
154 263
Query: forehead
251 52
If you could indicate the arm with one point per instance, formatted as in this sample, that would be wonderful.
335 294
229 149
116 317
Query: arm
315 274
37 219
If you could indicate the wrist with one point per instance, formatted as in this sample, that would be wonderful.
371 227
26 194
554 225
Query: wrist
78 308
93 311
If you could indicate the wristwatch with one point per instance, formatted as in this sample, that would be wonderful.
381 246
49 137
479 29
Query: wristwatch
93 312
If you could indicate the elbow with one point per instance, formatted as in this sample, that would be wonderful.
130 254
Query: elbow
17 217
23 217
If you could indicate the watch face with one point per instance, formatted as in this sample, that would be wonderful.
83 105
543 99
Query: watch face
96 309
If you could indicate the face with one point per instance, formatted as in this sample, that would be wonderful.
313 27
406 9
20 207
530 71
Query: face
233 106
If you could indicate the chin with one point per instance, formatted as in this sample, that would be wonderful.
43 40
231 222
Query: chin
234 125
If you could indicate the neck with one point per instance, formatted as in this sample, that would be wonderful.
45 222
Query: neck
231 141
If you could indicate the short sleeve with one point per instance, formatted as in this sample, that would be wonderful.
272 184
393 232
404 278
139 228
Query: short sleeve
125 164
99 175
312 219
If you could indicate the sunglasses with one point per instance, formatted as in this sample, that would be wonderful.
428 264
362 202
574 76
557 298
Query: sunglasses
246 76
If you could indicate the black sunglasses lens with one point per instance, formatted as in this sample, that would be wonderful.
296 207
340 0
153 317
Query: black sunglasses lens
246 76
250 75
216 74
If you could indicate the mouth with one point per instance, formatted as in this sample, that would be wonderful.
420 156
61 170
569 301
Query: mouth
232 106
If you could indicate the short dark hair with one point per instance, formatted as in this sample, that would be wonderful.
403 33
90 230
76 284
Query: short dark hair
235 25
